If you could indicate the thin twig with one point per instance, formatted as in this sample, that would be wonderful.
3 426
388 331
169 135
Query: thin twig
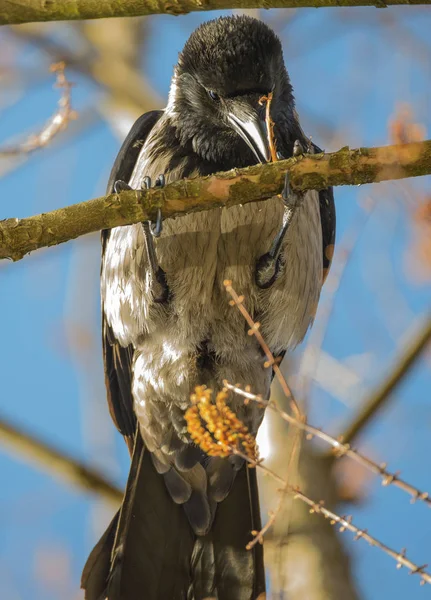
52 460
56 123
271 361
269 125
340 448
345 522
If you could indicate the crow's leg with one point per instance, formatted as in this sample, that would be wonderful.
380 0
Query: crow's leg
151 230
268 266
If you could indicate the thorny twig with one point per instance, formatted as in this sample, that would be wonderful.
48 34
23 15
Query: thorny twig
345 522
271 361
57 122
340 450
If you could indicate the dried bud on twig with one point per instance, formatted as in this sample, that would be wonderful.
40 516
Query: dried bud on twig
216 428
57 122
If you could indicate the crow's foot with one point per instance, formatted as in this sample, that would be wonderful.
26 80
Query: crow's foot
268 266
152 230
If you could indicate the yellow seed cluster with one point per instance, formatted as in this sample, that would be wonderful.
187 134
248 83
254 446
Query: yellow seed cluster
216 428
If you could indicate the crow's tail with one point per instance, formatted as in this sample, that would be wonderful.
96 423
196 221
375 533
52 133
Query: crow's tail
145 553
150 551
222 567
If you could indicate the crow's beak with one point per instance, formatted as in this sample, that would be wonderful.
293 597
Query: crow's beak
248 124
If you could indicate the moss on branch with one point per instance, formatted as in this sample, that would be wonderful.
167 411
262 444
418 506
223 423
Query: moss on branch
18 237
27 11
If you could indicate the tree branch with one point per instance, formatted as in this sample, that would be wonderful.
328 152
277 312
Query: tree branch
414 348
56 123
26 11
239 186
54 462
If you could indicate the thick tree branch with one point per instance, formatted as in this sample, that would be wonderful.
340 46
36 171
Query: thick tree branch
55 462
26 11
239 186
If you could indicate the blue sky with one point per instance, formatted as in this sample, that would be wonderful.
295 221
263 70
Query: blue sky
350 70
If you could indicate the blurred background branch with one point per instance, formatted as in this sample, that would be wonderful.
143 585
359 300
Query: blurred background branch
66 468
413 347
57 123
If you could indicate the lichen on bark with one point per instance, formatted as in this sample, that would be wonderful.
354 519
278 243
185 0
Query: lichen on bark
18 237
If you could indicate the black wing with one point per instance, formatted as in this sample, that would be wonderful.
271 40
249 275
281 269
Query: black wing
117 359
328 220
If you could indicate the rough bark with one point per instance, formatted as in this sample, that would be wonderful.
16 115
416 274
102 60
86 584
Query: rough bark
27 11
18 237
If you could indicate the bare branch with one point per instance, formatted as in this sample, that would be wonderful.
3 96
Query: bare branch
345 522
271 361
339 448
57 122
128 89
316 507
53 461
26 11
238 186
414 347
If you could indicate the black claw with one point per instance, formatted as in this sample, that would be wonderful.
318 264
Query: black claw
286 189
121 186
146 182
156 228
267 270
298 148
160 289
160 181
162 292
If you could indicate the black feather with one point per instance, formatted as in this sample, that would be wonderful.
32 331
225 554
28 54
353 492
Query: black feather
117 359
221 567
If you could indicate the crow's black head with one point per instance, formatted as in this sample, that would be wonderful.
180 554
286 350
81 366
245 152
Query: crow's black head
227 65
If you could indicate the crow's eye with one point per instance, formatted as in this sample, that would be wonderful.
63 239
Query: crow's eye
213 95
